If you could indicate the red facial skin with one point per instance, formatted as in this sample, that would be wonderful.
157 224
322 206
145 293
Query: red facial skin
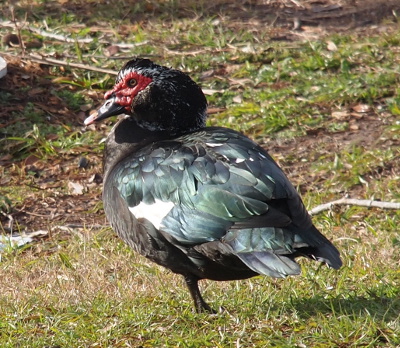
124 94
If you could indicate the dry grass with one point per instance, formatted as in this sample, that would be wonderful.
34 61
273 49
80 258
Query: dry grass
60 273
93 286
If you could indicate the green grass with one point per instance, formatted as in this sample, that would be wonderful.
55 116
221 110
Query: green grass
93 290
85 288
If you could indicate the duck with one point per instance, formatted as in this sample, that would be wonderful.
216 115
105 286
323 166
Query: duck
204 202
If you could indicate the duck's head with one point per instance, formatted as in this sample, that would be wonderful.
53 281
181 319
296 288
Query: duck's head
159 98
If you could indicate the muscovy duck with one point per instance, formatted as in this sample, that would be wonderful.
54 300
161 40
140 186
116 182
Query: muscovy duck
204 202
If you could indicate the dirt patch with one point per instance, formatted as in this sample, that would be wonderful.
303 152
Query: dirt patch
48 197
368 132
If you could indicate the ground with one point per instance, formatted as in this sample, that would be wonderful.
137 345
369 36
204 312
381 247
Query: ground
316 82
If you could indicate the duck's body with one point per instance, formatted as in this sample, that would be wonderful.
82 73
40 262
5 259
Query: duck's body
205 202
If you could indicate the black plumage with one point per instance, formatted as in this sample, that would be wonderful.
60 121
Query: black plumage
204 202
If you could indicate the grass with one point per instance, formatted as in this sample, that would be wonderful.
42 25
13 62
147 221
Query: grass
82 287
91 289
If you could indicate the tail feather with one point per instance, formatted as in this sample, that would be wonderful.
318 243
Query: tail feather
272 251
326 253
319 248
268 263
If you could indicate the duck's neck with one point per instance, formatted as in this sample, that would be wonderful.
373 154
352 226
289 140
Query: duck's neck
125 138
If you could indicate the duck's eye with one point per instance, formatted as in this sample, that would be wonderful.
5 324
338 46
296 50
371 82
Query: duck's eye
131 83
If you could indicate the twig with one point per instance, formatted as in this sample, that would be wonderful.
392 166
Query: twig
94 226
18 28
51 61
357 202
297 3
64 38
110 57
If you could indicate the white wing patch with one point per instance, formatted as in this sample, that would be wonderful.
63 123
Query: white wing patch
155 212
214 144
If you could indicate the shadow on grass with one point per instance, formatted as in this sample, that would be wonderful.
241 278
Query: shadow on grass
274 13
28 99
379 307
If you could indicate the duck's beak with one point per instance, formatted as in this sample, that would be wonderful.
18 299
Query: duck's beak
108 109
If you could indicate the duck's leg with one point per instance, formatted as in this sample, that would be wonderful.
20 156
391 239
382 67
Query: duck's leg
199 303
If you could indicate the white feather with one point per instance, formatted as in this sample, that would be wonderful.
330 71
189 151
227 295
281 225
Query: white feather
155 212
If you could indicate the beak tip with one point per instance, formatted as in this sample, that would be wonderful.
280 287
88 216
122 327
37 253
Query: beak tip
108 109
91 119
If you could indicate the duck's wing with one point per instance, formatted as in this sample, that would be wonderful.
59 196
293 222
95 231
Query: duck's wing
218 185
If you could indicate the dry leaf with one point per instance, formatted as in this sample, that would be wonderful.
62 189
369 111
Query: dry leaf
325 8
112 50
208 91
340 115
331 46
361 108
237 99
211 111
240 82
354 127
31 159
35 91
50 185
6 158
75 188
86 107
248 49
207 74
356 115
